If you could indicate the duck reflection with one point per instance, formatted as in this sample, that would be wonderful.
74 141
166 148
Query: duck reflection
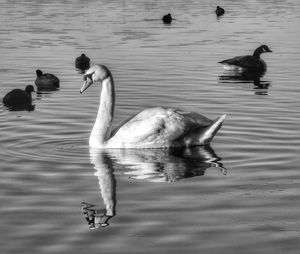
234 76
158 165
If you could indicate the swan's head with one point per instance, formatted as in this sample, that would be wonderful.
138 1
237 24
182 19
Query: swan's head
94 74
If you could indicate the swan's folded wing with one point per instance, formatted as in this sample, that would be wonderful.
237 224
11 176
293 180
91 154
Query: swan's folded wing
160 125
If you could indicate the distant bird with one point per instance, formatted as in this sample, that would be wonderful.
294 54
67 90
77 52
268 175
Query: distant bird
220 11
167 19
46 81
82 62
18 98
248 63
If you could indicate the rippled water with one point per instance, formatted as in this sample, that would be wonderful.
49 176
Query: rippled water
238 196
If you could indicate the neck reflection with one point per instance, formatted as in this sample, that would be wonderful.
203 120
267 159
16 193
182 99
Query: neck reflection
107 184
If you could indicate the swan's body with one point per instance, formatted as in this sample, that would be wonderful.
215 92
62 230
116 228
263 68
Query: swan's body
151 128
252 63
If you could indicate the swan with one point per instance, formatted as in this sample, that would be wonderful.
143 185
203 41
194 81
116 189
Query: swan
82 62
167 19
156 127
18 98
248 63
46 81
219 11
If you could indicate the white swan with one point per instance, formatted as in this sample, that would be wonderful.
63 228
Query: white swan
151 128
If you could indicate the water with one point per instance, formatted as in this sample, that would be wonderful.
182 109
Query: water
239 196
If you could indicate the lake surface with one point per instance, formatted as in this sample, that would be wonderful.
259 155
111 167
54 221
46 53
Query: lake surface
241 195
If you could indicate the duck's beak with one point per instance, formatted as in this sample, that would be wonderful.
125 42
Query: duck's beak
266 50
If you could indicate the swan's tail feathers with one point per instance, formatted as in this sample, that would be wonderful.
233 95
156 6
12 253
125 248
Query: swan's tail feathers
211 131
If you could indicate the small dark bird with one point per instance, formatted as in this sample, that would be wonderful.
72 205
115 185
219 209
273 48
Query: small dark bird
220 11
167 19
46 81
248 63
82 62
18 98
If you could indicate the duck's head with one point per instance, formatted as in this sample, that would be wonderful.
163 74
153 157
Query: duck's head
94 74
265 49
29 89
261 49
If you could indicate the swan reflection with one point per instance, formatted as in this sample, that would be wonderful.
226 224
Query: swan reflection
158 165
235 76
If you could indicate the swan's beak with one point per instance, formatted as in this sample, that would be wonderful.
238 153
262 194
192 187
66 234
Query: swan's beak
86 84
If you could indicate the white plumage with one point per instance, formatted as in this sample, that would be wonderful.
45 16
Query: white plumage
151 128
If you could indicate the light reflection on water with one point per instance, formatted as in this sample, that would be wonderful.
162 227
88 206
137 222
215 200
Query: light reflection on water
45 162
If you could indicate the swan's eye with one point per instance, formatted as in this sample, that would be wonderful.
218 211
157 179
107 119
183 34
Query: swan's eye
89 75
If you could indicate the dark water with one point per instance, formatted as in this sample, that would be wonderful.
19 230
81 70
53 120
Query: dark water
238 196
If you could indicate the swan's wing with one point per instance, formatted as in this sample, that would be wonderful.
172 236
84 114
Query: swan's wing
160 124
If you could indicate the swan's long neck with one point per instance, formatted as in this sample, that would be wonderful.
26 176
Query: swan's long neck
102 127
